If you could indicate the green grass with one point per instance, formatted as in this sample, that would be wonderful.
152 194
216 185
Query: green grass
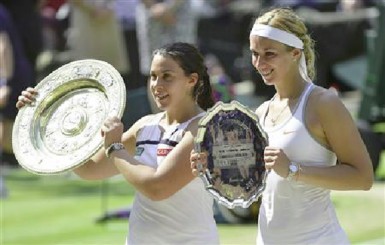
380 172
47 210
362 214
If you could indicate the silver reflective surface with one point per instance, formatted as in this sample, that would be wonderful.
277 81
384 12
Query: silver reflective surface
231 135
61 130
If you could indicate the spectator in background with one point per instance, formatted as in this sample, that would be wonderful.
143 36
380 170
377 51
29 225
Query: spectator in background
55 19
222 85
160 22
95 33
54 24
294 4
15 74
25 15
126 14
138 104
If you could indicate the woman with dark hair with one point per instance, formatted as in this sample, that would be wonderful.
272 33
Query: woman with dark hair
171 206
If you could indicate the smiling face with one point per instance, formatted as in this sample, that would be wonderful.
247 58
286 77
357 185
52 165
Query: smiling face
273 60
170 86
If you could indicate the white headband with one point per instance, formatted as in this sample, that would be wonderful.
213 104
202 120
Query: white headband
285 38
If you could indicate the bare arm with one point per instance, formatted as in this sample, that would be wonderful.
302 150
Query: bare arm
354 171
101 167
172 175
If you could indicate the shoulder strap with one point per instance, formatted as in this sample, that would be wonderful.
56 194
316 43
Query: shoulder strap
304 97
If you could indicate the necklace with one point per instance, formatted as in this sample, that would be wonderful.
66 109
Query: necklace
274 120
292 99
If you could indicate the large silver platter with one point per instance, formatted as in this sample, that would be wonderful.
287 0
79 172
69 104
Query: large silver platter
61 130
234 141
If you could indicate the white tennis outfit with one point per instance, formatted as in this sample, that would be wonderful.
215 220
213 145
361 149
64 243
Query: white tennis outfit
293 212
184 218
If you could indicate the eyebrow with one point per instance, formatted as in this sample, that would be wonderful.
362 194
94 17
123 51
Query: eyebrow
162 71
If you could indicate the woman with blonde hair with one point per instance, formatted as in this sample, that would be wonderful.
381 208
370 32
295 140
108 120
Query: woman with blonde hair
314 145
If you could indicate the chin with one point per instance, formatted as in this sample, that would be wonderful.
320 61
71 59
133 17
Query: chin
161 107
268 82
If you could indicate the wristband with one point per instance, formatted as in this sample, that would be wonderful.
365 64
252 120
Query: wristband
113 147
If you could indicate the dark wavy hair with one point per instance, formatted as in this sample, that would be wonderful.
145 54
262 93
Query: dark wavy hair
191 61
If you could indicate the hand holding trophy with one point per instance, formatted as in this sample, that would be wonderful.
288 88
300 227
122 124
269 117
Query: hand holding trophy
230 143
58 125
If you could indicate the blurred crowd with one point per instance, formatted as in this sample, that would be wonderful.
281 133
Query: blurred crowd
38 36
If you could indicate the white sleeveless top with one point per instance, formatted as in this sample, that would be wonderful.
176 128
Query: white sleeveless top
293 212
184 218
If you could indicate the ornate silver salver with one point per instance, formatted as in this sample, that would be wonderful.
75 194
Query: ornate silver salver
61 129
234 141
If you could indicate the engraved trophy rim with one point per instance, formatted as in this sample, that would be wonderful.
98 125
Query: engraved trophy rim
60 130
206 175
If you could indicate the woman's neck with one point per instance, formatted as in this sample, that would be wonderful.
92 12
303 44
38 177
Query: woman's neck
181 115
290 90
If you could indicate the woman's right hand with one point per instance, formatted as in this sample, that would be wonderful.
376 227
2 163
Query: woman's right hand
27 97
198 162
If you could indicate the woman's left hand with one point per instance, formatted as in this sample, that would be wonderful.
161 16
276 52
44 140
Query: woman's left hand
277 160
112 131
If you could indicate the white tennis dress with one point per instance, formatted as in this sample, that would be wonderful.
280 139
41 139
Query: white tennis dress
184 218
293 212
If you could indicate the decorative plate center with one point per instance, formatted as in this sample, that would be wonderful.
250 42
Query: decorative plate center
74 122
